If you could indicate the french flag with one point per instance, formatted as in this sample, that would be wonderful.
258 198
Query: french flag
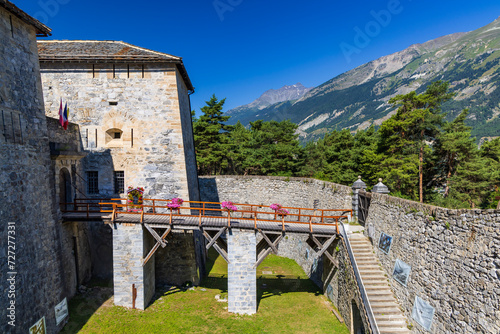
63 115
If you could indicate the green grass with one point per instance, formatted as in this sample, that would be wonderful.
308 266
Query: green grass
288 302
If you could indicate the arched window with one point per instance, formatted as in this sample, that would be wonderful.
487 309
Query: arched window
114 137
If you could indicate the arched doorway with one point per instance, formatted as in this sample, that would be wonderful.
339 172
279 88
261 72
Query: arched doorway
357 323
64 188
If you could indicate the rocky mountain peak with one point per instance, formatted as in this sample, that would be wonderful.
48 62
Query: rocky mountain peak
272 96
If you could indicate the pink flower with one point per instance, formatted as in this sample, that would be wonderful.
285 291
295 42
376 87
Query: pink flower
229 206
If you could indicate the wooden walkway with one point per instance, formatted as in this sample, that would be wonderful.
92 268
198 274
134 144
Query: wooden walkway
209 215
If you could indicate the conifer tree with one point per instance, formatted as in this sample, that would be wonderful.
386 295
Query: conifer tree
211 138
416 122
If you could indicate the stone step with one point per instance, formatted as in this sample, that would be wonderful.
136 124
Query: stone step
384 304
381 299
401 323
360 245
386 310
370 271
378 291
393 330
368 267
365 259
373 278
359 254
374 282
390 318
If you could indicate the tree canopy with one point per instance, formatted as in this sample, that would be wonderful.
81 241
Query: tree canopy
418 154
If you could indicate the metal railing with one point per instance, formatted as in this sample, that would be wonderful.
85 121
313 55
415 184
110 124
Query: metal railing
362 290
247 212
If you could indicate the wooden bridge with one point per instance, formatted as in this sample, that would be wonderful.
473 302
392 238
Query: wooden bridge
206 214
216 223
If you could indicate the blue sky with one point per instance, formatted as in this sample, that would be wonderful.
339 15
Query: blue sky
237 49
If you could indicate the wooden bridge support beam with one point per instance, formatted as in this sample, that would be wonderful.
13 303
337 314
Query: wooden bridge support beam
131 243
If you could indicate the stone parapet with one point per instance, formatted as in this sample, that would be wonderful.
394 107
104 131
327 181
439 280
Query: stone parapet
454 261
287 191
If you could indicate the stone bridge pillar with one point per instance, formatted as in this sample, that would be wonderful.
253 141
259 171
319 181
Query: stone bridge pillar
131 242
242 277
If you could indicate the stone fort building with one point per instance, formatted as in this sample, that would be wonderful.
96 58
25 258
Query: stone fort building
130 125
133 110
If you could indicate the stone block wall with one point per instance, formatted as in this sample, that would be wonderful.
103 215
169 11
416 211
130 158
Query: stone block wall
454 257
148 110
43 260
242 277
131 243
177 264
287 191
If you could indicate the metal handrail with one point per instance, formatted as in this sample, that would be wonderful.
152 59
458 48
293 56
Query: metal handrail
364 296
202 213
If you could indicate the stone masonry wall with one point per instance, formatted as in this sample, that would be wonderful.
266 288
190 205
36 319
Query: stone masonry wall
131 242
293 192
147 111
176 263
26 188
341 289
242 277
454 257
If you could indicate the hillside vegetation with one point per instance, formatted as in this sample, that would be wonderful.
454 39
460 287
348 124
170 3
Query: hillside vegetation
359 98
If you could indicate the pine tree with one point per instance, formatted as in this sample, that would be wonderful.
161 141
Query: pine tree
416 122
211 138
453 147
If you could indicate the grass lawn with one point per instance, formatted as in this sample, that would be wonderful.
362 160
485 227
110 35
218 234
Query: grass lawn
288 302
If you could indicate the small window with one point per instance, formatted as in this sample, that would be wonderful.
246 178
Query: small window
113 103
92 182
119 178
114 137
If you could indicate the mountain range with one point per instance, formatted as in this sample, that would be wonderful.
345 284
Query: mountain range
356 99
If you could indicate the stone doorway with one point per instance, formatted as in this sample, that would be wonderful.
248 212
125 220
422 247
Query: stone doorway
65 189
356 322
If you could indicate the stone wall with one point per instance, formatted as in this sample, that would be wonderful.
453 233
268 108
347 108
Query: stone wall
287 191
339 283
454 257
176 264
27 187
148 110
242 276
131 243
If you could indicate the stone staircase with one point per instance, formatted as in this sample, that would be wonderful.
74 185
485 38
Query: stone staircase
388 315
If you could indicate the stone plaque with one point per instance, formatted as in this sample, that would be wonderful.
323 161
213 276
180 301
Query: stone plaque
38 327
385 242
423 313
401 272
61 311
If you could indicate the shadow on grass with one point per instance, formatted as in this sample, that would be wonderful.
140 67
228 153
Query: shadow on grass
83 305
267 286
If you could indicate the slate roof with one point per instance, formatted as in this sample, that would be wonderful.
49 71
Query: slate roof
41 29
105 51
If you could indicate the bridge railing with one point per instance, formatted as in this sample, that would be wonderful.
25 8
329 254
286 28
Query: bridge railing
249 212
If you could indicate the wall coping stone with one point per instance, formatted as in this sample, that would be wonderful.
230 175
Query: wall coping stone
427 208
278 178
